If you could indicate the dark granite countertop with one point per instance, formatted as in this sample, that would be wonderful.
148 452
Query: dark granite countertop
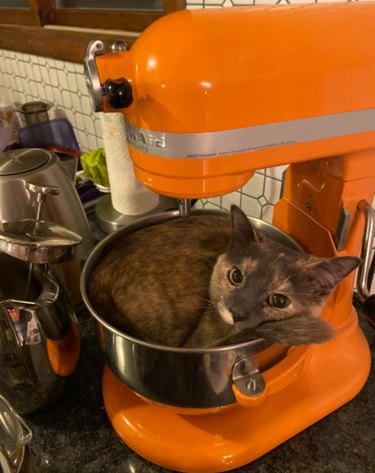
75 436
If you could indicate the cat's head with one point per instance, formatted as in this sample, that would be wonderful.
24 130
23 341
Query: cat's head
258 280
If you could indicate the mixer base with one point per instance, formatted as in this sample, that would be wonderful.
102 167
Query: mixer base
234 436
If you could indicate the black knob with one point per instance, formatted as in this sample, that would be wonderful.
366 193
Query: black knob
119 93
368 310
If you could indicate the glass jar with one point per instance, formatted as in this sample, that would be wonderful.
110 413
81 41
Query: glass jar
14 436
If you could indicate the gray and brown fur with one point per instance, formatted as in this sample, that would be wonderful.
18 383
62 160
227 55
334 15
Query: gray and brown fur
169 284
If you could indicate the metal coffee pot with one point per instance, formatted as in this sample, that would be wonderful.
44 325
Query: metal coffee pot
19 202
39 337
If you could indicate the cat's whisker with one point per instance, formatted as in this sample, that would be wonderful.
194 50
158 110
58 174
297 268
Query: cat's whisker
205 300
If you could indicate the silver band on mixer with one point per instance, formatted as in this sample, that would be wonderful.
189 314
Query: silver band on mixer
253 138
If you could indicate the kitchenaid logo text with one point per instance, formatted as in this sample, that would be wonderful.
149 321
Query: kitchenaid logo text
237 141
142 140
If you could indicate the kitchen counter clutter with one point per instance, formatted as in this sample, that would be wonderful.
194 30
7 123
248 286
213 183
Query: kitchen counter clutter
75 436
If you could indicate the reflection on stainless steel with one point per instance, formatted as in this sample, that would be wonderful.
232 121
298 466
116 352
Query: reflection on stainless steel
186 378
247 378
184 206
182 377
30 331
38 242
95 48
17 167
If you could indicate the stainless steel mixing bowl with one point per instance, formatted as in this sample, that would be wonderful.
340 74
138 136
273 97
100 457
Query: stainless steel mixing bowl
183 377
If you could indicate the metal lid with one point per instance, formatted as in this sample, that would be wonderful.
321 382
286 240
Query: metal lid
38 241
22 160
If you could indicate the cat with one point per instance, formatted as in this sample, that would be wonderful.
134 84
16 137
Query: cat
212 280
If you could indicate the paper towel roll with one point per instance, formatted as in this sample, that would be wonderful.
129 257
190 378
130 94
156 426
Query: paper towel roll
128 195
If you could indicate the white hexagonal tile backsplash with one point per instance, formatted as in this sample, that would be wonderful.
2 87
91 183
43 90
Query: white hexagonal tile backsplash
30 77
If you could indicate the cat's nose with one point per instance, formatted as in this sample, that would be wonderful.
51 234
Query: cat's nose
238 316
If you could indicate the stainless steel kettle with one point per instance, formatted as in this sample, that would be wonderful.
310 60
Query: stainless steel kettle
39 337
18 202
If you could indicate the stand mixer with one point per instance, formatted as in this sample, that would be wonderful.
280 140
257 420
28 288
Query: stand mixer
209 97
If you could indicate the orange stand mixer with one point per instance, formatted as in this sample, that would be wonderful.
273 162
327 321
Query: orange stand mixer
210 96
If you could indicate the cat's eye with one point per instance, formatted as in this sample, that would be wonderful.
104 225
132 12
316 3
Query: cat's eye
278 300
235 276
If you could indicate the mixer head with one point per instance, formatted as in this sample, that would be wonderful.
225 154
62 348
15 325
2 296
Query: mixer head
207 105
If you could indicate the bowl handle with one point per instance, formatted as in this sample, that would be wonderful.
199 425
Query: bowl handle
250 387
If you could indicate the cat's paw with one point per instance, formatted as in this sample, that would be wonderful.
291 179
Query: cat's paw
297 330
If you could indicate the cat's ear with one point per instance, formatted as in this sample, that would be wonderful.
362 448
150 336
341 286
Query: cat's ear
332 270
242 230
